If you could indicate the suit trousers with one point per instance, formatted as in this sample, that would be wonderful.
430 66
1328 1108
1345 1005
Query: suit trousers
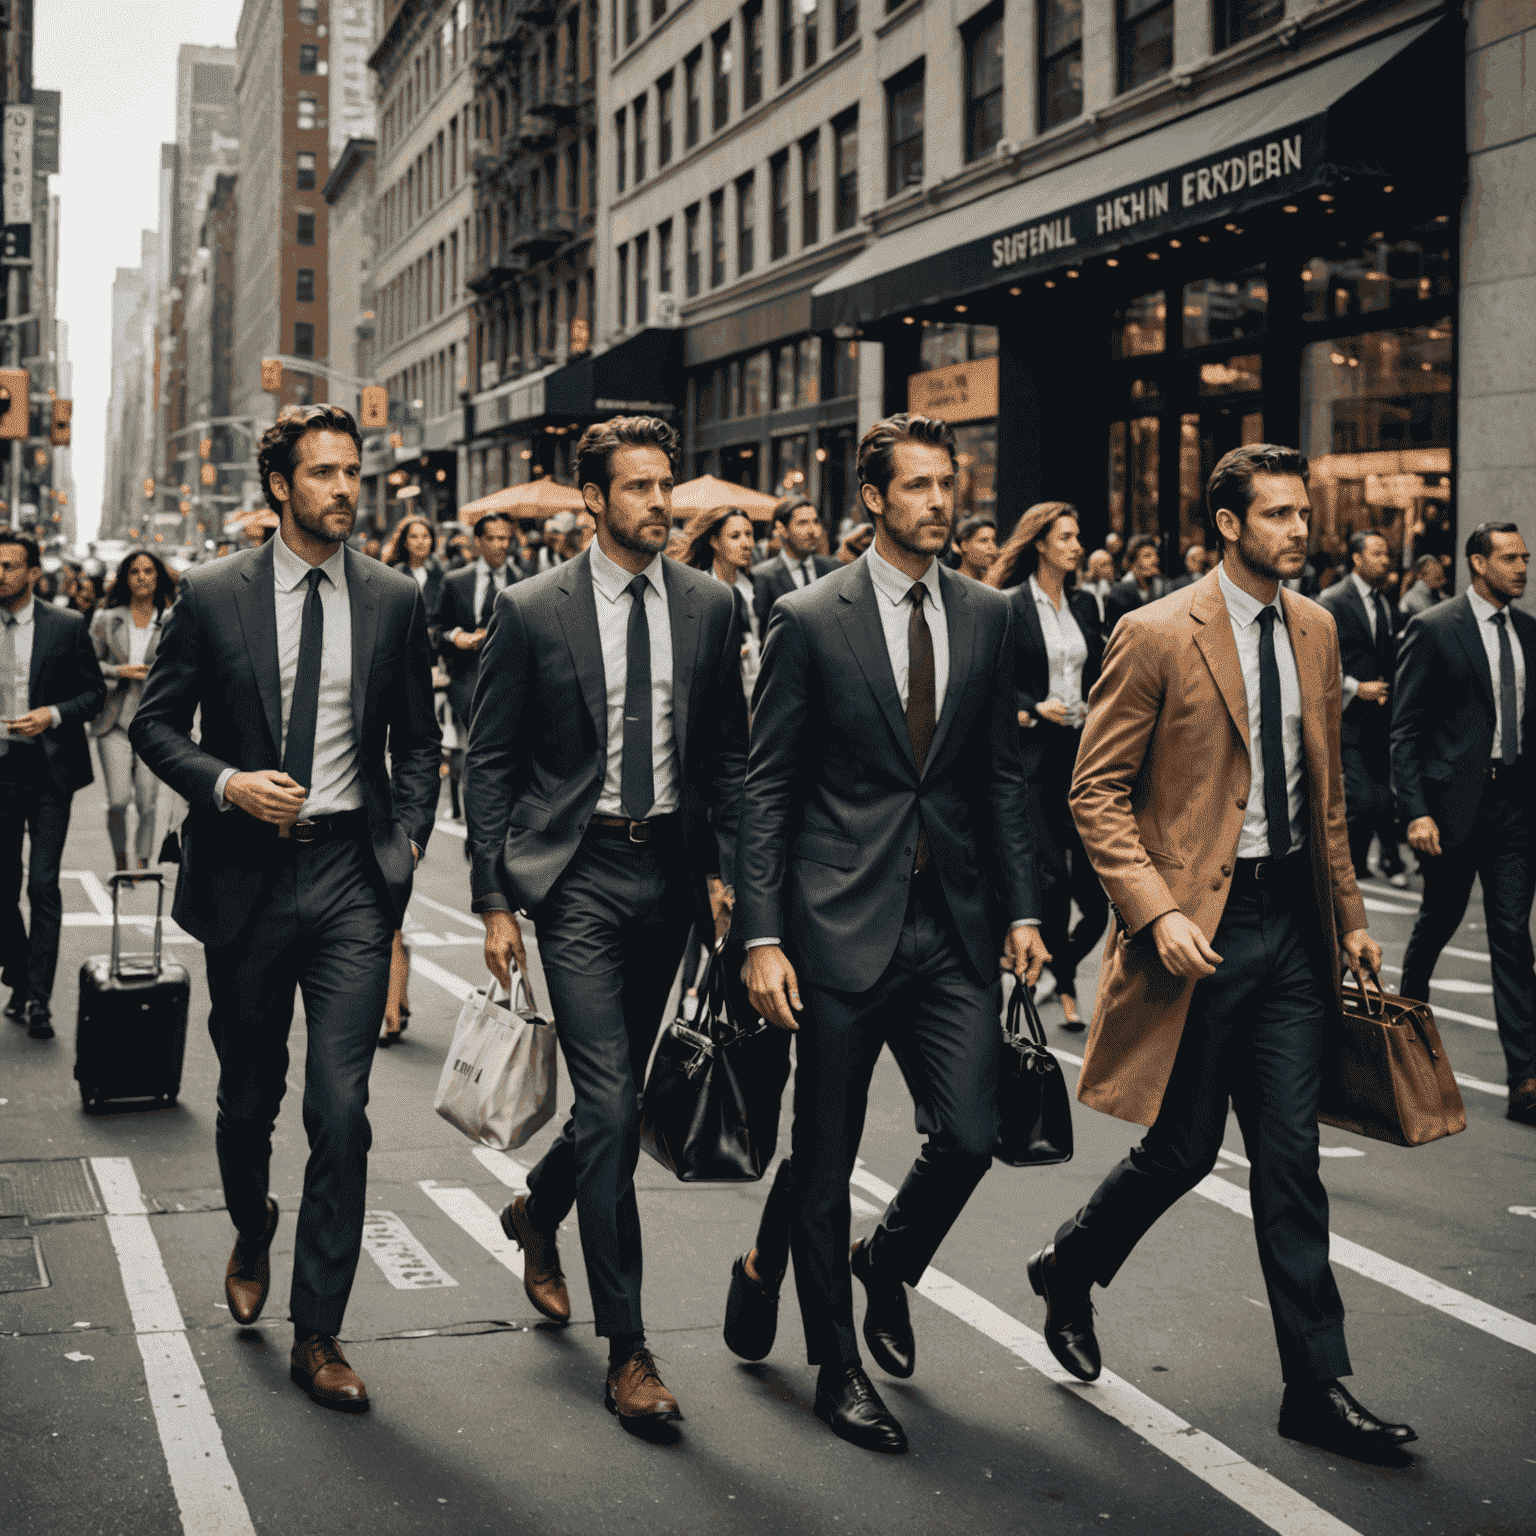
611 933
1254 1035
320 925
1368 806
1500 851
31 805
1071 875
942 1028
127 779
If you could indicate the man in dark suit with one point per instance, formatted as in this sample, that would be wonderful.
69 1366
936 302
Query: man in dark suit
886 858
605 769
1368 648
1194 568
464 609
797 565
310 663
50 685
1141 583
1461 756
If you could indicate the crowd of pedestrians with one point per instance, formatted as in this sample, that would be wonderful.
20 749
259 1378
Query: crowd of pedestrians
867 770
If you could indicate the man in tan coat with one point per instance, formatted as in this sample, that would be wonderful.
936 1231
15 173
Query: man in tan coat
1210 799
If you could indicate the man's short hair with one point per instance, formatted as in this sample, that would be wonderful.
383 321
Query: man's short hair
598 444
784 510
971 526
1139 542
482 523
28 545
1427 563
1359 538
877 448
278 451
1480 540
1231 482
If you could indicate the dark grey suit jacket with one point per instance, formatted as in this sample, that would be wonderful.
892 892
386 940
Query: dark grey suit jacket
218 651
1365 727
771 580
538 745
65 675
834 800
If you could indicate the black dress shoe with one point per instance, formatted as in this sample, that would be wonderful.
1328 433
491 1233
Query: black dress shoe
751 1313
847 1403
1324 1414
1068 1316
16 1009
39 1021
887 1323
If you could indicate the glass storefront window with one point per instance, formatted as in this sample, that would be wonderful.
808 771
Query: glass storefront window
739 465
784 378
1379 275
731 405
1139 327
1233 376
808 384
942 345
976 459
1225 309
789 456
839 480
708 395
1134 464
754 384
845 369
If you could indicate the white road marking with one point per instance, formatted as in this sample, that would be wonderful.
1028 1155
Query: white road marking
511 1173
77 1357
401 1258
451 829
1463 1018
1498 1089
1340 1152
1522 1210
1456 984
1467 954
441 906
1371 904
95 891
469 1211
431 971
207 1491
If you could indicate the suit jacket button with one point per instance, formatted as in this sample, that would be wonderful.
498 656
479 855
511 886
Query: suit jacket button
1226 869
1215 885
1242 805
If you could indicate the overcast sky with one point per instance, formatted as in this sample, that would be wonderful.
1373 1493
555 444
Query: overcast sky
115 62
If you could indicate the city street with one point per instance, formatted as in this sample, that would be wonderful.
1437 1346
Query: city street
135 1405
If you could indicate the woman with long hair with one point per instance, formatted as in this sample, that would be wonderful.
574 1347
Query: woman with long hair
125 631
409 549
720 541
1058 647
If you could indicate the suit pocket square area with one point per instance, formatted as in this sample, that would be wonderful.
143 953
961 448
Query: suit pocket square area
825 848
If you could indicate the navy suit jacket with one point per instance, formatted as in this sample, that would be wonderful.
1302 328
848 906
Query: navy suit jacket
1365 727
455 609
66 675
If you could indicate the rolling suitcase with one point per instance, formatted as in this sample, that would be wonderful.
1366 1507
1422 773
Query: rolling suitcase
131 1031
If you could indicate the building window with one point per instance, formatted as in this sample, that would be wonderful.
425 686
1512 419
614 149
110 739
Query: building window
691 98
746 222
691 249
642 278
847 21
623 268
845 169
810 189
309 58
1146 40
308 108
309 13
658 10
664 120
640 104
305 163
984 85
631 21
786 40
1233 20
303 339
812 30
304 232
904 131
620 124
752 61
664 257
716 239
720 53
304 291
778 183
592 172
1061 61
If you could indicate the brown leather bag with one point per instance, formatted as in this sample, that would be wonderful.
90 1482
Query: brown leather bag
1386 1074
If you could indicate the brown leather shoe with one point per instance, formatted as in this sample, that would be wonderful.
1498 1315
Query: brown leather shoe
319 1366
543 1279
637 1394
248 1275
1522 1101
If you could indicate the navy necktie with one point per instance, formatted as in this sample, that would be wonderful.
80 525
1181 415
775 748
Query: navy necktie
637 778
1509 734
1277 803
299 752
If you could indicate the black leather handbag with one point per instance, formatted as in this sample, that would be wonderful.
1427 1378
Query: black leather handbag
1033 1106
694 1117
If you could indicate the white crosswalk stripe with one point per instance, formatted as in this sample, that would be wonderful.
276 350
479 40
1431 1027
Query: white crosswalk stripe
400 1256
465 1208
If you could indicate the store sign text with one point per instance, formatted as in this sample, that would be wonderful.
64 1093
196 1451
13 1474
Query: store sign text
1035 240
1279 157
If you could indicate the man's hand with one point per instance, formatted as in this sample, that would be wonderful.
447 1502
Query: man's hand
1053 710
1374 693
1424 835
504 943
1182 947
268 795
1024 953
770 980
33 723
469 639
722 899
1363 955
133 672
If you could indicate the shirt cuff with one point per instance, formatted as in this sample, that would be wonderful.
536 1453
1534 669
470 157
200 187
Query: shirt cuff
1024 922
55 716
1351 688
455 632
759 943
219 788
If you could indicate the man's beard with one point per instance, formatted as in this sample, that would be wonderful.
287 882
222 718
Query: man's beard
313 522
910 544
1258 564
632 541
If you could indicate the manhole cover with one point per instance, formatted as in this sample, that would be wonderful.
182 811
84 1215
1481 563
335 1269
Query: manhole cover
21 1265
46 1189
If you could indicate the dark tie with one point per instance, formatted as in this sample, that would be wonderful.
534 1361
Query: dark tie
490 599
299 753
8 710
921 692
1277 804
808 571
1383 636
1509 738
637 779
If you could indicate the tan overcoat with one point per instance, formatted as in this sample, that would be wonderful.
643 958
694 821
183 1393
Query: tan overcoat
1158 796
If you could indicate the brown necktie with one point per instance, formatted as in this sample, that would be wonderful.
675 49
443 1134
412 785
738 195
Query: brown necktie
921 692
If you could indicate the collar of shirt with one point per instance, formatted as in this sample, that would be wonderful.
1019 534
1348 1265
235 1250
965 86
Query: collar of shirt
1367 592
288 571
24 616
1039 596
1241 606
1483 610
612 580
791 564
894 585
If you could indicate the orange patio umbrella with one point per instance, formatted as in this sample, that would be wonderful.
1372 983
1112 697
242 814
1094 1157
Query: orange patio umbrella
534 500
707 492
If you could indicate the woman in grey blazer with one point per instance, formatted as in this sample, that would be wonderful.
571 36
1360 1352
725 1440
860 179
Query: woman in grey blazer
125 632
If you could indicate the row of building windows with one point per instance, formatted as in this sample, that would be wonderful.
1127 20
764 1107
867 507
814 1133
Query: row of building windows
432 66
424 291
556 322
430 386
794 16
549 197
431 177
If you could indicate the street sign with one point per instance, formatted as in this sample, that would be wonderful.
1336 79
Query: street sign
16 148
272 375
58 429
45 132
375 407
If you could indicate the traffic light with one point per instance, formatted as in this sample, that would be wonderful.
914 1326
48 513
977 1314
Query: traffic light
149 490
272 375
205 448
40 458
375 407
15 405
58 429
209 474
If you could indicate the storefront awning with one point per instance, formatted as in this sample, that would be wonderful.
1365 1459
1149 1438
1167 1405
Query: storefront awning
1378 111
638 377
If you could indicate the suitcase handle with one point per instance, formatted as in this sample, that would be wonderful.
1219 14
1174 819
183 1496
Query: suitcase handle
128 877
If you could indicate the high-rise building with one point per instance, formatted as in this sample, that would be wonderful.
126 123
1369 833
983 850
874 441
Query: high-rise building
131 478
349 193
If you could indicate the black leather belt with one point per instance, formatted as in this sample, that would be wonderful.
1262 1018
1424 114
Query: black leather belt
634 831
327 829
1269 870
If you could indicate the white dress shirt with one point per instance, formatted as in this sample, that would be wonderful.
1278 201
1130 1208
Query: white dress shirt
1098 590
1483 611
1066 651
1368 597
22 635
751 660
418 574
801 572
334 782
138 641
610 583
1243 611
891 598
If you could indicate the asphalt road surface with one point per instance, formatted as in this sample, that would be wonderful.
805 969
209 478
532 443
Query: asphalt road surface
132 1403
